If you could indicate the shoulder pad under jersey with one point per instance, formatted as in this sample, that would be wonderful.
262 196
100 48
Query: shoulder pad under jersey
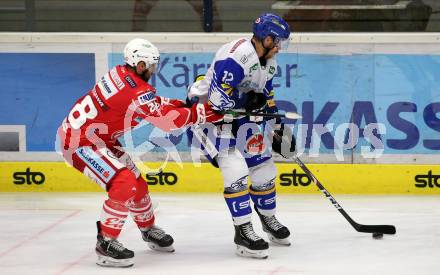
243 52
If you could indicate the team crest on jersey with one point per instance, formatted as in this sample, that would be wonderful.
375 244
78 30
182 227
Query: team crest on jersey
146 98
255 145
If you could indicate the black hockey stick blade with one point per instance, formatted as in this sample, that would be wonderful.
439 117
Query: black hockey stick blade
384 229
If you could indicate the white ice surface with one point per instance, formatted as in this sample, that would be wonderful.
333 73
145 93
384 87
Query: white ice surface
55 234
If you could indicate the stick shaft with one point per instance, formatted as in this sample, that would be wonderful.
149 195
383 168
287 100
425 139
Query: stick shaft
243 113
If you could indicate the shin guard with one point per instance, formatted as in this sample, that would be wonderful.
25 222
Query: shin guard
264 200
239 206
113 216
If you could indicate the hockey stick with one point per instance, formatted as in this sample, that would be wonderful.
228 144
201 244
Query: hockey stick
375 229
289 115
382 229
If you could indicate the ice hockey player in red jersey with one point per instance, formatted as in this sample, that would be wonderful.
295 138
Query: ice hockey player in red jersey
89 142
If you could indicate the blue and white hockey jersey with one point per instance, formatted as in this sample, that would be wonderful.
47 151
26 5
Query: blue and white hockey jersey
235 71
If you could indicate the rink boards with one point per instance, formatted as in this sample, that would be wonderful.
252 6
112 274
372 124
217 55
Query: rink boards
347 87
203 177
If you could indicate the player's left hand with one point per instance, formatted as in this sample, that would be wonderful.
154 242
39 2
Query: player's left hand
203 113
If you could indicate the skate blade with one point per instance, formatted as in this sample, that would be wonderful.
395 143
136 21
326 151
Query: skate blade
155 247
283 242
245 252
111 262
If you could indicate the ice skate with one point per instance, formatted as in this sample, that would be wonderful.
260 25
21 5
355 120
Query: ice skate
249 244
112 253
157 239
276 232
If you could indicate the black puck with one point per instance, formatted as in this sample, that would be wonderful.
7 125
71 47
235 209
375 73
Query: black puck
377 235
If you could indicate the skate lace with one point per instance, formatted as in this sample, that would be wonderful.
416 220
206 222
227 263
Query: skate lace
249 232
272 222
156 233
116 245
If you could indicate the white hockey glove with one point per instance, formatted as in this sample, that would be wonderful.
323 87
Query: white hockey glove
203 113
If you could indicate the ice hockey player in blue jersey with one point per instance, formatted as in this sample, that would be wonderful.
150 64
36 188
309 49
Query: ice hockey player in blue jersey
240 77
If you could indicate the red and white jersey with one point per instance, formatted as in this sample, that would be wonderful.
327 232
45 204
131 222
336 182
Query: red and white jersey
117 103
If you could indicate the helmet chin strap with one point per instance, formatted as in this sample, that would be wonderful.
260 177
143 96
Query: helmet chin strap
263 59
144 76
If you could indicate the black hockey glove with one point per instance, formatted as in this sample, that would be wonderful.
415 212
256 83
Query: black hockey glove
255 101
284 142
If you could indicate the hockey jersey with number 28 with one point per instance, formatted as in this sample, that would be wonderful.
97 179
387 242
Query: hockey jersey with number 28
117 103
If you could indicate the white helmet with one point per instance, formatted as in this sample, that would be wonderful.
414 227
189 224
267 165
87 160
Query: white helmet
141 50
